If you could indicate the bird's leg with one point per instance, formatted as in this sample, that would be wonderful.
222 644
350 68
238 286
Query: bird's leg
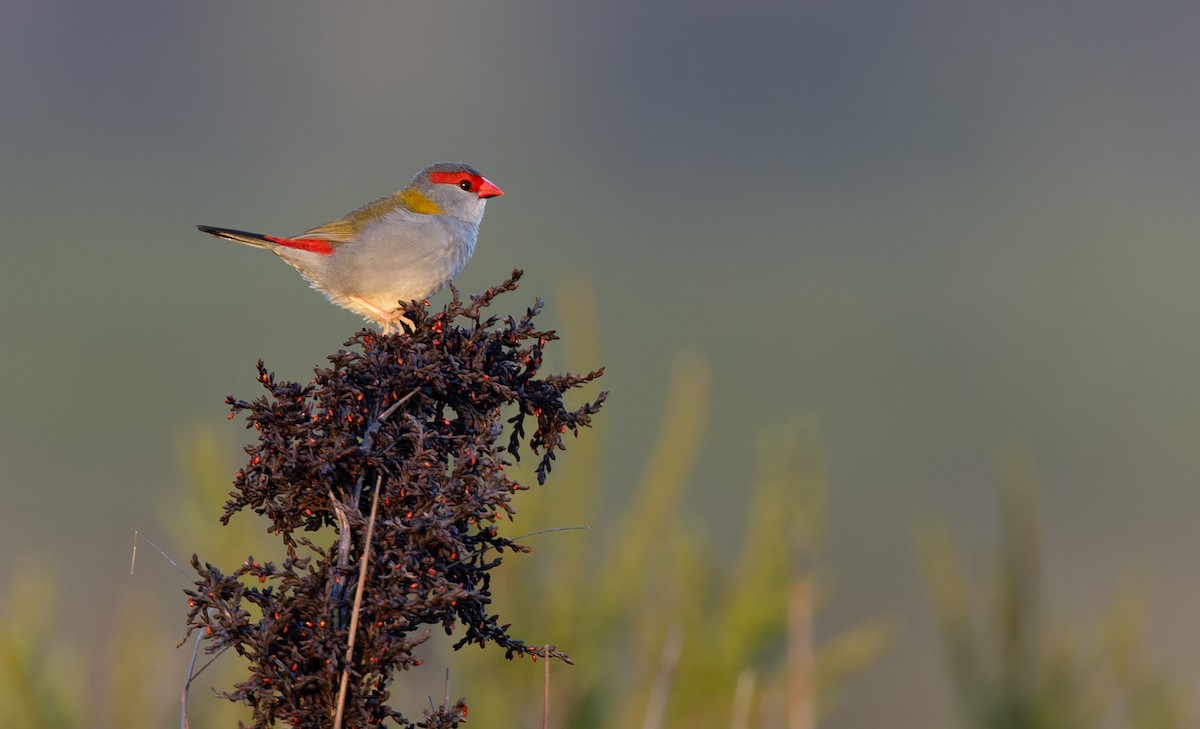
386 319
395 319
383 315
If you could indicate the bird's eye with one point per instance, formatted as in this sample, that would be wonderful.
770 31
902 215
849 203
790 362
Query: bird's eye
466 185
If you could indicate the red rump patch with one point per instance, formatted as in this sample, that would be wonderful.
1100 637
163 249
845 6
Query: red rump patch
312 245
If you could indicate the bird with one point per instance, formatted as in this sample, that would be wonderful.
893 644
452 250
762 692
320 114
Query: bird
401 247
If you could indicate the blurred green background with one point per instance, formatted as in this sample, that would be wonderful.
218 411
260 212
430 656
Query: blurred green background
934 228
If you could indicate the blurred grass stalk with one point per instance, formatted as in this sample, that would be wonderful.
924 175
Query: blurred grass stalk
1008 668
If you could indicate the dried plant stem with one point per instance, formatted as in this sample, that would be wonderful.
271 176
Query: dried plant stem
343 525
387 413
183 720
546 690
550 531
133 560
358 594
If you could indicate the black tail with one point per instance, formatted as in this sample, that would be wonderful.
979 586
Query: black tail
239 236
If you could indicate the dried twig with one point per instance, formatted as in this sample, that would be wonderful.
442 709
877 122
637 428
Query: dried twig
137 535
183 699
358 594
546 690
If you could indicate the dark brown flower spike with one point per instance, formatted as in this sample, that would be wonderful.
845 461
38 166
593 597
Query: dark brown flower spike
423 414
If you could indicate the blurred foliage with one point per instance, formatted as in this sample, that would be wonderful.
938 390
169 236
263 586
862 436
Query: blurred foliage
661 613
670 622
663 619
47 681
51 680
41 685
1009 668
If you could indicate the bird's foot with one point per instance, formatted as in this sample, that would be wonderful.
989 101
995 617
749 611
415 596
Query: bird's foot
387 320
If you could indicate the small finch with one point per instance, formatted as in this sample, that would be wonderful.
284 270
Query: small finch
402 247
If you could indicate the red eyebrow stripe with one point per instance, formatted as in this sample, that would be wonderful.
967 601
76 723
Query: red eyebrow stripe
312 245
480 185
453 178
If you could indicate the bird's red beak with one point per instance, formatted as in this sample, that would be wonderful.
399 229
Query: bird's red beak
487 189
